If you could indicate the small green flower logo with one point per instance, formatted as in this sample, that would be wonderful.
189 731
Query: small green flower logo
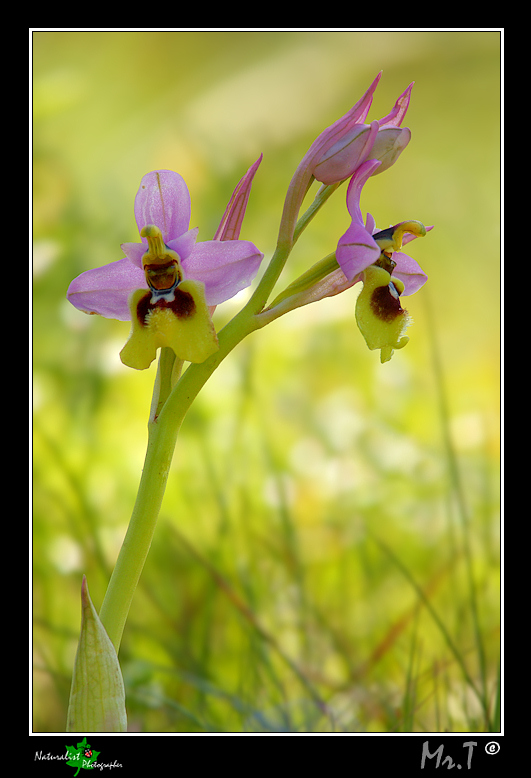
82 757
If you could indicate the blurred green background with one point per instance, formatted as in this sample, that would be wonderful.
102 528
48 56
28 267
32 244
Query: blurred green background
327 552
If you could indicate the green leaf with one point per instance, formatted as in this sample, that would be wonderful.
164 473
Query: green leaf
97 697
308 279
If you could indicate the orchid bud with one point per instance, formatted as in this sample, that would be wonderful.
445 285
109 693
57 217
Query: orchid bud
347 154
333 137
389 144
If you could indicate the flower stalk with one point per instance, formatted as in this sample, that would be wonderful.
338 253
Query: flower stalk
137 541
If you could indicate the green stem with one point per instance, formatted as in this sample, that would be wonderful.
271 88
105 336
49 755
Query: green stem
163 381
320 199
163 431
284 246
137 542
269 279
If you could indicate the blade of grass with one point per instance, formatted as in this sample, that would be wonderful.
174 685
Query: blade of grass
250 617
433 613
410 691
458 490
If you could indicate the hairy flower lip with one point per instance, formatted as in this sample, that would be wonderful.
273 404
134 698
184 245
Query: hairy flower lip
379 314
182 323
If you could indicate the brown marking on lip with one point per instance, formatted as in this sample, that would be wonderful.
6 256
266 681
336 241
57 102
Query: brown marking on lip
183 305
384 304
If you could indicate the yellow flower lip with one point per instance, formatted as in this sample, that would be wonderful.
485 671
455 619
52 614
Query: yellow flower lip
180 321
161 265
379 314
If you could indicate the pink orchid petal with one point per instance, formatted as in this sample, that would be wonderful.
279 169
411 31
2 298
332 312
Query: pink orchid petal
356 250
370 224
231 223
396 116
408 269
409 272
163 199
342 126
225 267
134 252
340 161
355 186
104 290
184 244
389 144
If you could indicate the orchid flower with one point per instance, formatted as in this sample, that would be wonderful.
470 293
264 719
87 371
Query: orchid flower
364 254
167 282
361 245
